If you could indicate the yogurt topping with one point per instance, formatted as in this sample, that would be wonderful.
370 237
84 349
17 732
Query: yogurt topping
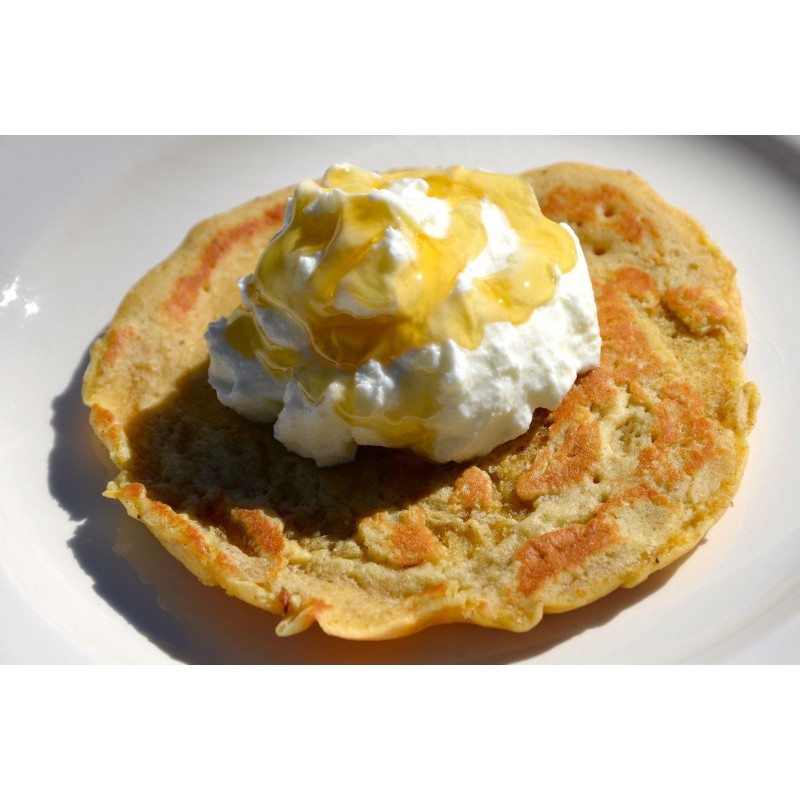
427 309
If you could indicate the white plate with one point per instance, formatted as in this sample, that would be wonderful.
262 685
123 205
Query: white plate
80 581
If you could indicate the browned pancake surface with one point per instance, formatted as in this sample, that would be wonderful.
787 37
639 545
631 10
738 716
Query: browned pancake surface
626 475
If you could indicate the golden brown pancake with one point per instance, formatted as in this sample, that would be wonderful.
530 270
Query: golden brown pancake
624 477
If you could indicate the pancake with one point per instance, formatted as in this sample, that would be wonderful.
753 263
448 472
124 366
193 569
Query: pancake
628 474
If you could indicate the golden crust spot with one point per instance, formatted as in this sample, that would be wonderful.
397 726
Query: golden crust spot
411 541
633 494
251 530
635 283
595 388
626 350
101 418
402 539
570 460
552 553
603 204
683 437
187 288
546 556
472 489
115 343
265 532
133 491
700 308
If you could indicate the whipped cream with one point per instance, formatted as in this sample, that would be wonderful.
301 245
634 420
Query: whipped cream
420 309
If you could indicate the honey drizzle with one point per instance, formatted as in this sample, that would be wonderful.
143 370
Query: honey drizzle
407 305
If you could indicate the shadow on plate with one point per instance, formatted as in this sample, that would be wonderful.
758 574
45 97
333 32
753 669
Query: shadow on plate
783 153
197 624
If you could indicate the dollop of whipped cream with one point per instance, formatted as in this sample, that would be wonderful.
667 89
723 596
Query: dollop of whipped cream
433 310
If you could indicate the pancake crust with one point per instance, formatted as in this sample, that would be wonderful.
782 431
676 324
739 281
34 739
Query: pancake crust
624 477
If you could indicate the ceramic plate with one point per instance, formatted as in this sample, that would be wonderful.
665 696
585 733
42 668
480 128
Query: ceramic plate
81 582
